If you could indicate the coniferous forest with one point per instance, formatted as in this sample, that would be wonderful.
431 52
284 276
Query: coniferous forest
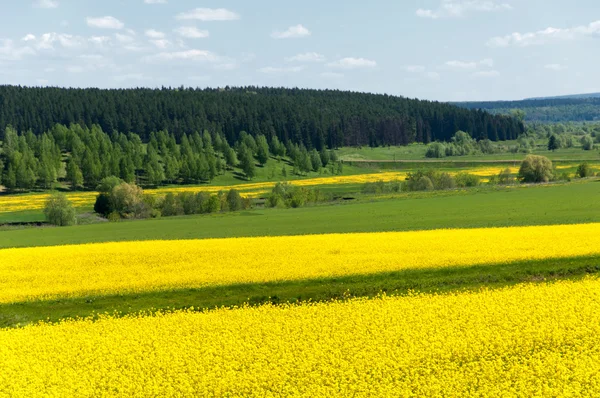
316 119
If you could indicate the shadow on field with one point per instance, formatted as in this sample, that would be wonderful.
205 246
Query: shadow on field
425 280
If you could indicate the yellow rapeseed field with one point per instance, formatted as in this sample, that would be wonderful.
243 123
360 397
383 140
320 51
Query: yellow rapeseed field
525 341
50 272
13 203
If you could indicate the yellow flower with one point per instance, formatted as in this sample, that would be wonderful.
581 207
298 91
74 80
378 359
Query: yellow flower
108 268
525 341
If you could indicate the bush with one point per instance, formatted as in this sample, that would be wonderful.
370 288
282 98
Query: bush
235 201
424 183
170 206
584 171
128 201
444 181
435 150
587 143
213 205
103 205
464 180
114 217
505 177
536 169
59 211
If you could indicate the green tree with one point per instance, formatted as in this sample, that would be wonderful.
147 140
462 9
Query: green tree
315 160
553 143
262 150
235 201
59 210
536 169
247 161
587 143
74 175
584 170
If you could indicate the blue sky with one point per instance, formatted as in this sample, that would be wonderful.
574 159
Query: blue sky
432 49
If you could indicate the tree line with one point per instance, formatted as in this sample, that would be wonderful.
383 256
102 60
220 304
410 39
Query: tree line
551 110
83 157
316 119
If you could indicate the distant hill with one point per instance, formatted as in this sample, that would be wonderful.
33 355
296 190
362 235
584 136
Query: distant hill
571 96
576 108
314 118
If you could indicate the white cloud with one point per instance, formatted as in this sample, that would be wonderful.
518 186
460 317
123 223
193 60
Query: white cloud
275 70
459 8
125 39
472 65
433 75
191 32
545 36
486 73
209 14
28 37
555 67
154 34
155 1
46 4
306 57
107 22
47 41
161 43
188 55
292 32
8 51
100 41
414 68
353 63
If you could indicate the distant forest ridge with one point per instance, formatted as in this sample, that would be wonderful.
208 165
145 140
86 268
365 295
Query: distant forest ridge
546 110
315 118
570 96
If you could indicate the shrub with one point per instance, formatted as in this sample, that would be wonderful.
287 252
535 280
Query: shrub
114 217
235 201
128 201
464 180
584 170
170 206
213 205
587 142
59 211
535 169
444 181
424 183
436 150
186 202
103 205
505 177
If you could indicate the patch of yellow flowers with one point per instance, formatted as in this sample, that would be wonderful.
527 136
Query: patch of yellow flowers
13 203
109 268
525 341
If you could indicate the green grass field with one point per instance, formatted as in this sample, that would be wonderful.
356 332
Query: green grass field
416 152
483 207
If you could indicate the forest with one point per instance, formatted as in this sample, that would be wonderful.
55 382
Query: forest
545 110
317 119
